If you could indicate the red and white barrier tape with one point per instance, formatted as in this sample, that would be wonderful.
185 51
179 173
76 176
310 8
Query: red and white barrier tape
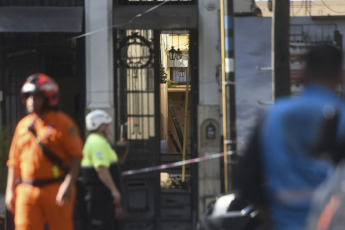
227 142
175 164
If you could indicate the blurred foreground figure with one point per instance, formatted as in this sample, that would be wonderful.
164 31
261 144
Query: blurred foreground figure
44 160
295 134
328 206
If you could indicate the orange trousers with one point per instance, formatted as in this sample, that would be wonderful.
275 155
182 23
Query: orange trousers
35 206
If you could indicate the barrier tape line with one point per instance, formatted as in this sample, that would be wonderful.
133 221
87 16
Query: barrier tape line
229 142
175 164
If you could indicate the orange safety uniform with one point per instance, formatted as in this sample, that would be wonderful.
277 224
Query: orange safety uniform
36 205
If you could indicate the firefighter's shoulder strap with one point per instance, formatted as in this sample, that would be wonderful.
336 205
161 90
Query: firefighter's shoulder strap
49 154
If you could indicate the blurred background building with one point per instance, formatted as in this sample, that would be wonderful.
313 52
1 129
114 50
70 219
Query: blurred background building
156 67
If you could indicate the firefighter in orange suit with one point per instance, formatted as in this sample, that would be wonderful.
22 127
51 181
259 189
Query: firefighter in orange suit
40 189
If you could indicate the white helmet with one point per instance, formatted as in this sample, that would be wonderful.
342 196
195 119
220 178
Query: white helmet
96 118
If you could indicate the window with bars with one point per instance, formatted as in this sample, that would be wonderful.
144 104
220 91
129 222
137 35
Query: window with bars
179 74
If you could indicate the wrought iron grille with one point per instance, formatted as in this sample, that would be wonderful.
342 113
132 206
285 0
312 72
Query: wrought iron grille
135 58
312 34
21 57
51 53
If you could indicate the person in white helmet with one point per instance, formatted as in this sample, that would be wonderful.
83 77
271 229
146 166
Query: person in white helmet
100 174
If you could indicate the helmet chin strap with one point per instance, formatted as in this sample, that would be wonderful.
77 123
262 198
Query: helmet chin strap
104 133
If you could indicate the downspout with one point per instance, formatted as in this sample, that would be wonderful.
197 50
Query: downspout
228 84
185 122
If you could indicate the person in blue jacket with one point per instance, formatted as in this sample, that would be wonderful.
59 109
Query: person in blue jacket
289 132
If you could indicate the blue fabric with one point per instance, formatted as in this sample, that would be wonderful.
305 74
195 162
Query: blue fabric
289 129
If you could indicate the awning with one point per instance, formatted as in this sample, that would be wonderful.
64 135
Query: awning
160 18
41 19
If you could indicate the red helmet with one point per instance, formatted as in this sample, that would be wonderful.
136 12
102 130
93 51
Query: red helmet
41 83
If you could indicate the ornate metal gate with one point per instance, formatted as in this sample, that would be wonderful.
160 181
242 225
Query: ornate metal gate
137 83
137 96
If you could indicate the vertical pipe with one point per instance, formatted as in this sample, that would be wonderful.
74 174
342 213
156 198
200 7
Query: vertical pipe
230 80
225 136
185 123
228 84
280 48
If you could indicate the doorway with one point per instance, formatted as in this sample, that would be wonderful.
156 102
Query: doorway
154 98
